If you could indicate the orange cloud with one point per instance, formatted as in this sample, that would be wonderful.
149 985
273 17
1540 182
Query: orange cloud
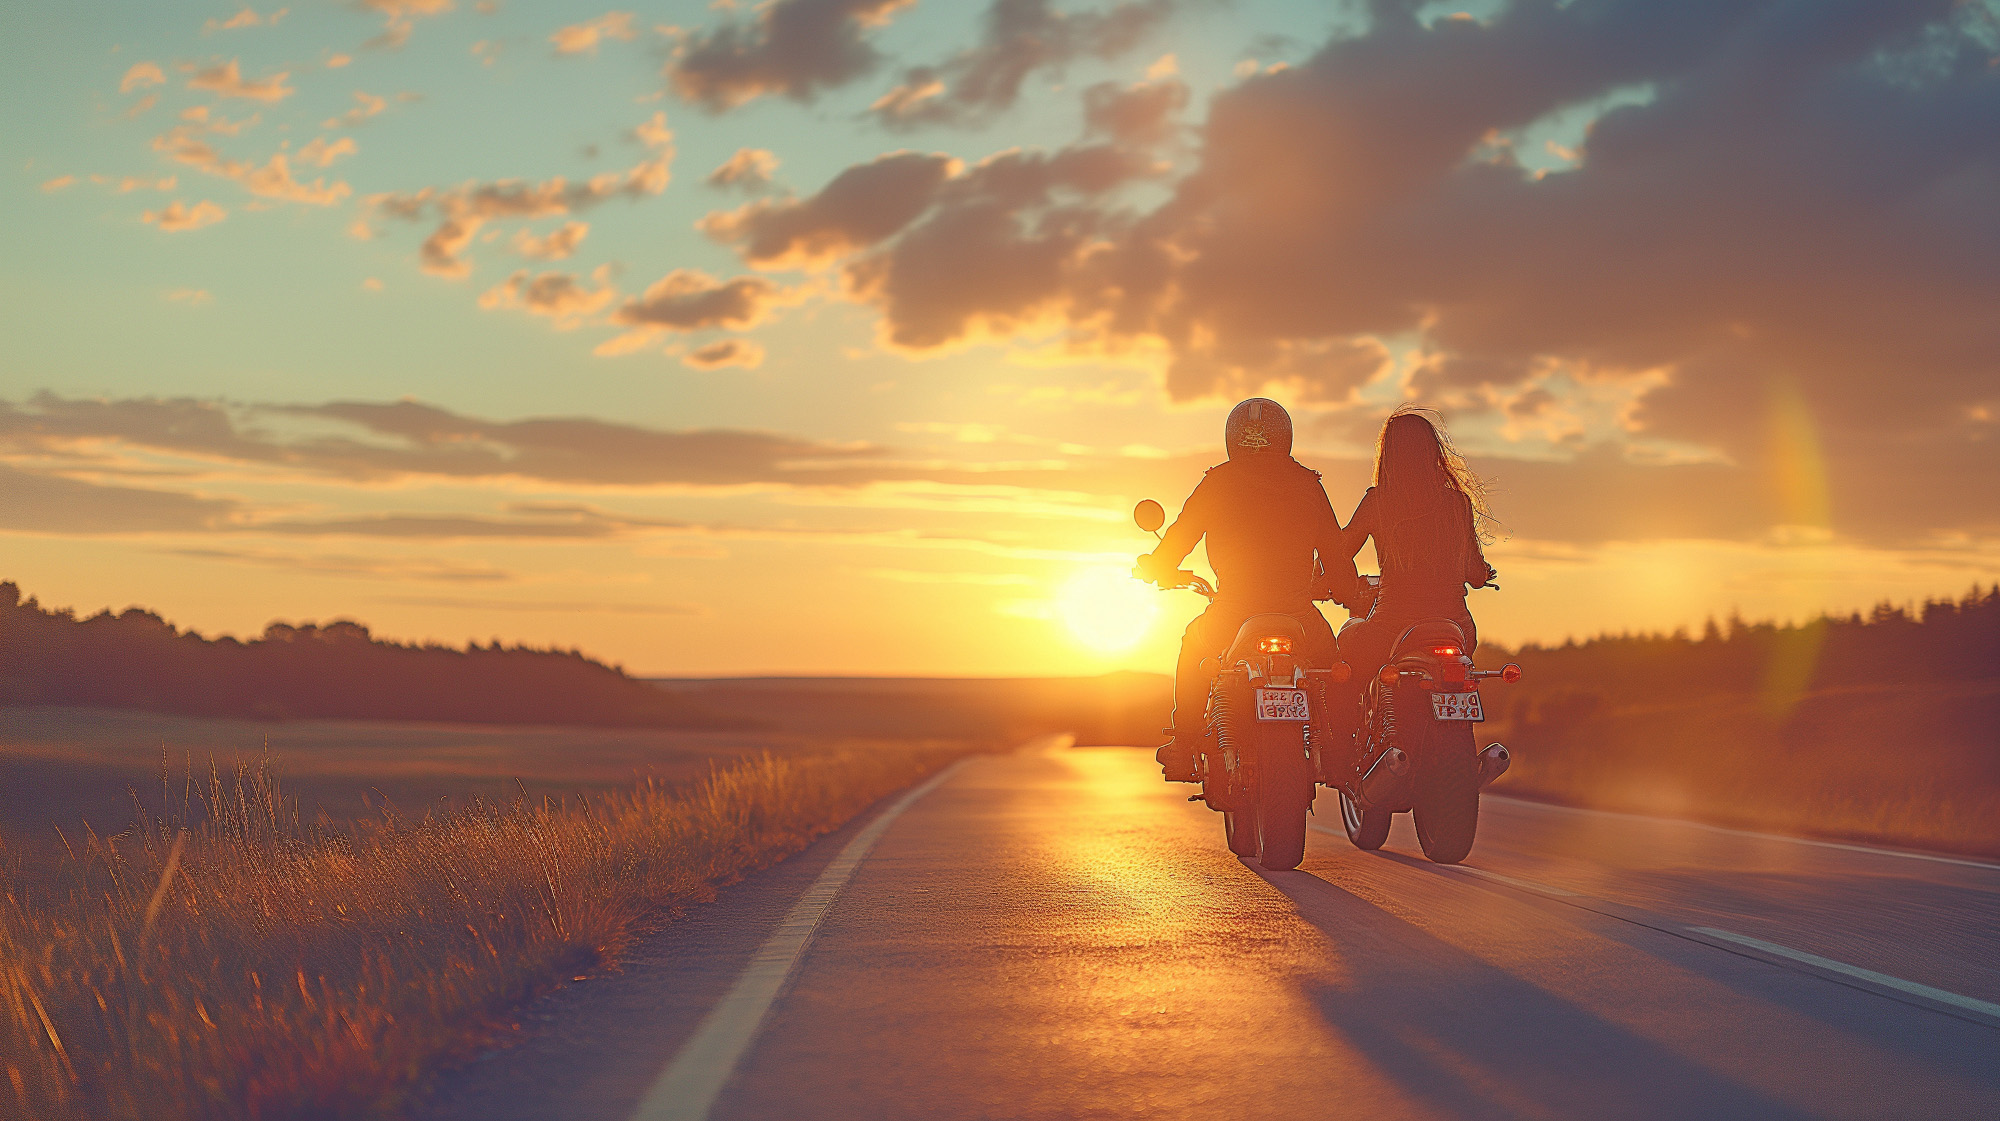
319 153
468 208
688 299
749 168
366 106
60 182
226 80
726 352
176 216
556 295
580 38
559 243
141 75
399 18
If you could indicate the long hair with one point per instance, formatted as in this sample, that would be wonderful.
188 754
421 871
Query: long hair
1416 466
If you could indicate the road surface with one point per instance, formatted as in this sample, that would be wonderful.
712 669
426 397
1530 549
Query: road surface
1058 934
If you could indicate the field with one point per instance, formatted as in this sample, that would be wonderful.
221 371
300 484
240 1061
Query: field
230 918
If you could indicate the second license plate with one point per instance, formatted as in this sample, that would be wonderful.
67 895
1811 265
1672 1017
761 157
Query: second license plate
1282 704
1456 706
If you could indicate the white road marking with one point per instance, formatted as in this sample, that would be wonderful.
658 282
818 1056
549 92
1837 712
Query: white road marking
687 1089
1906 854
1970 1004
1708 933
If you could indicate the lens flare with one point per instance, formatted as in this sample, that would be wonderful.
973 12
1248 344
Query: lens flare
1106 610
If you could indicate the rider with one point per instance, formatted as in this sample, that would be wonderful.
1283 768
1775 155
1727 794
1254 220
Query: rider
1423 512
1265 516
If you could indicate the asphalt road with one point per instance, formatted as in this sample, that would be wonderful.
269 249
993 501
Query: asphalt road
1058 934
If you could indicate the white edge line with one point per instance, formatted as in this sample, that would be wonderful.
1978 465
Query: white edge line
1703 933
1845 846
1970 1004
687 1089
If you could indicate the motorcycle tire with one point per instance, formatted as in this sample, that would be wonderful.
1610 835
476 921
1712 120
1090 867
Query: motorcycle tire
1446 802
1283 804
1366 828
1239 828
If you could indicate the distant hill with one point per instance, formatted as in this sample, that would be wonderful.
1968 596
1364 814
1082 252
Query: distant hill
137 660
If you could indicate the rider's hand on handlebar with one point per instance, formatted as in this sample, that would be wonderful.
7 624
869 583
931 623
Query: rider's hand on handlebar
1153 570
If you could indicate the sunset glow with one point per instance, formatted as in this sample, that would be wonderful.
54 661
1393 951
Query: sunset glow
536 323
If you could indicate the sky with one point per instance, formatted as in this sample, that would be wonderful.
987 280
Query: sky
840 336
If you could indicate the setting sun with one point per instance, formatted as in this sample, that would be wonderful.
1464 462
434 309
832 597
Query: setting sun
1106 609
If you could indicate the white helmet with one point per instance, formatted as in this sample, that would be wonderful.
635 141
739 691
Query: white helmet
1259 426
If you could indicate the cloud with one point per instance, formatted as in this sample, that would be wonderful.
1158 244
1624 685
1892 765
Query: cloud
1020 38
225 80
861 207
141 75
177 216
366 105
273 179
399 18
319 153
244 18
374 568
130 183
793 48
690 300
33 502
466 209
554 607
1779 231
749 169
556 295
726 352
558 244
948 252
582 38
192 297
60 182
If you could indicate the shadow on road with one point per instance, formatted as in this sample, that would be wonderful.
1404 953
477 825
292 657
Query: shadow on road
1472 1040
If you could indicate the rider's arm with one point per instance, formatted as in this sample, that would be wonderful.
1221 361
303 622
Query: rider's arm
1181 537
1478 573
1336 560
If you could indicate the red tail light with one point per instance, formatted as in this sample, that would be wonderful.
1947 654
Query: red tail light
1510 673
1276 644
1446 652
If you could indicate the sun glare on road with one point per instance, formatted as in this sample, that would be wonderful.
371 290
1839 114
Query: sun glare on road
1106 609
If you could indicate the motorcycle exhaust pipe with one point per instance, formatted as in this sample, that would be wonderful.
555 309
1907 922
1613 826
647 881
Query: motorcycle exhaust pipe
1493 762
1384 777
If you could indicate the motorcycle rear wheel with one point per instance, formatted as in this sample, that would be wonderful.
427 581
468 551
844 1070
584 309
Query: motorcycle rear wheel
1366 828
1283 805
1239 828
1446 805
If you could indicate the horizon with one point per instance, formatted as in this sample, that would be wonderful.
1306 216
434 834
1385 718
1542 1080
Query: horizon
637 334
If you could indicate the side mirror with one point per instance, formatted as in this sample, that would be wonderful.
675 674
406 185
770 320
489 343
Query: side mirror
1149 515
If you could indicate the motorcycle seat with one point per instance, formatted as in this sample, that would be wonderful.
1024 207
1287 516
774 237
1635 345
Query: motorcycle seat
1258 627
1430 632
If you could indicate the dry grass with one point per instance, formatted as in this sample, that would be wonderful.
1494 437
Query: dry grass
1909 765
256 966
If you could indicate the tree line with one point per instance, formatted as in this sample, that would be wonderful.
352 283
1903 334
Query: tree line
135 659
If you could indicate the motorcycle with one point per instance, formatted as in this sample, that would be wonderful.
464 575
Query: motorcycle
1413 750
1267 743
1263 729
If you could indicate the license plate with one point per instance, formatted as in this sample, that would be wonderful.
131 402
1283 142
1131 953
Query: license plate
1282 704
1456 706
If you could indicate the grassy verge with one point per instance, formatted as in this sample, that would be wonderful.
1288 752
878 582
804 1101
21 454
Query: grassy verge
257 966
1906 765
